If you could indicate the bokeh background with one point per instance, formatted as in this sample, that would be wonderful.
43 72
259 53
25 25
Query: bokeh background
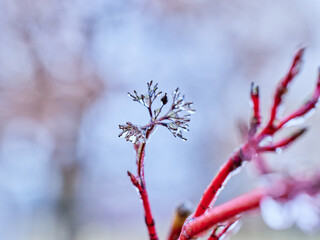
65 70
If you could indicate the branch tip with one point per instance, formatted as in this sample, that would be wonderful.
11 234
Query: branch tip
300 132
297 62
254 89
256 118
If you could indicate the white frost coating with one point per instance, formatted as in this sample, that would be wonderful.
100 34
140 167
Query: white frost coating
233 229
275 214
300 120
303 210
132 138
278 150
306 213
266 141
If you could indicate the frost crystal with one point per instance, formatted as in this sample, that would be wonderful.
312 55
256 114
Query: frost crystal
132 133
303 211
277 215
148 98
176 119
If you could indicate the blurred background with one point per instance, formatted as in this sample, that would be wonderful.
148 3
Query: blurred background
65 70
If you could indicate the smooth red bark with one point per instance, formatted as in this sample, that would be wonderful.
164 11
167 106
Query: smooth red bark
222 213
214 186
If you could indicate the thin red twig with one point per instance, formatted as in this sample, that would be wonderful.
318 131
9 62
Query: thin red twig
146 206
305 108
284 142
139 182
282 88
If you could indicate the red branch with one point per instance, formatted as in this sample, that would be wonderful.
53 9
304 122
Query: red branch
216 184
222 213
284 189
249 150
251 147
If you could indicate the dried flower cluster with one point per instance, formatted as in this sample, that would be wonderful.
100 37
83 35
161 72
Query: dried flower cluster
175 120
133 133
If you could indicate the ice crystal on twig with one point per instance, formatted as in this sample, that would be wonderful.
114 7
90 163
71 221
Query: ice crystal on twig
148 98
176 119
132 133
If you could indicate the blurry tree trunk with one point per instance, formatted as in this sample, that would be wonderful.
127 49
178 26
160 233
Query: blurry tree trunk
59 106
